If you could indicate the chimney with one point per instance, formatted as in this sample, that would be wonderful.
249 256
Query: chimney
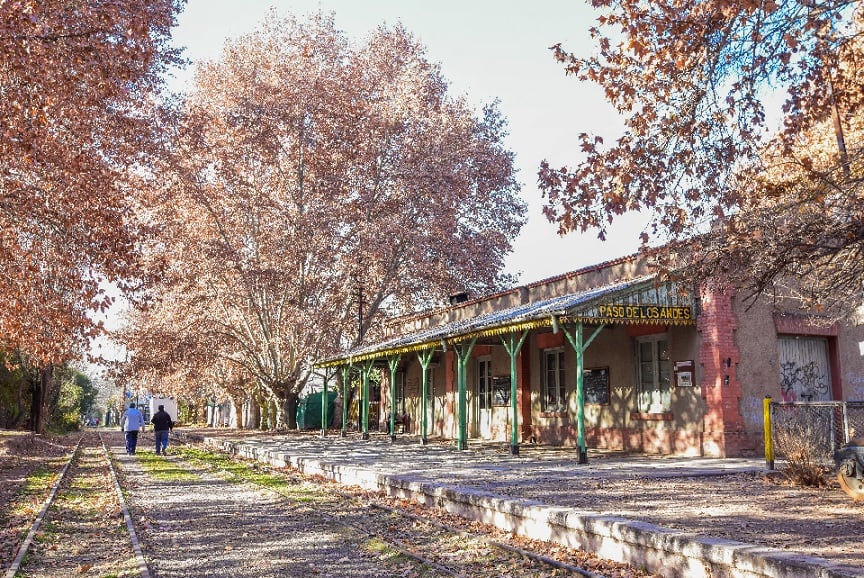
457 298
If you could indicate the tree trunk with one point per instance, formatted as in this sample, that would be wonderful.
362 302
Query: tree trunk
290 405
250 413
232 413
41 390
254 417
273 413
263 416
17 420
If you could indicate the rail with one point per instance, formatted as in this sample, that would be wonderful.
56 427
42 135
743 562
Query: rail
84 464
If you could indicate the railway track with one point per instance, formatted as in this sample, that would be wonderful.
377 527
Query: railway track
206 514
438 544
448 544
83 526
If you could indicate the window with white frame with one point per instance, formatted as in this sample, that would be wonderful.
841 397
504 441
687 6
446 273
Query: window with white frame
655 374
554 390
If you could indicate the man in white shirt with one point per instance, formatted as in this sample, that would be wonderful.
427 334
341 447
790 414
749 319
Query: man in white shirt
131 422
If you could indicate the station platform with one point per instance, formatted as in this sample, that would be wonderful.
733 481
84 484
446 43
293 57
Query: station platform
544 493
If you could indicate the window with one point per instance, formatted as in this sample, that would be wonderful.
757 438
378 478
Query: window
655 379
400 393
484 383
439 393
375 385
554 395
805 373
430 386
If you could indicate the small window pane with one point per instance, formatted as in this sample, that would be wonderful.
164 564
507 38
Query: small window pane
655 375
554 384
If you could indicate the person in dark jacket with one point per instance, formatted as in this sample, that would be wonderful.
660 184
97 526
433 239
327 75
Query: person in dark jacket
162 425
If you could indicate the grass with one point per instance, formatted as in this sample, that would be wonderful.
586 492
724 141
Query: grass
39 480
165 470
254 473
28 500
382 549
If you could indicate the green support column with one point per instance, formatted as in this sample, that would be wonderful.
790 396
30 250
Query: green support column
513 347
580 398
366 370
324 405
425 358
393 363
579 347
346 373
463 354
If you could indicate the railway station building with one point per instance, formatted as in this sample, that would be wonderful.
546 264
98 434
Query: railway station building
607 357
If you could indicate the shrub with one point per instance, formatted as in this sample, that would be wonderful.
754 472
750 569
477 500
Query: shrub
804 440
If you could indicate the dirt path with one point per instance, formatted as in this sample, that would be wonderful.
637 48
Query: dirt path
195 524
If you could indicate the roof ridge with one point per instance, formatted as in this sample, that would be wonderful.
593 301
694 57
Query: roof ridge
471 302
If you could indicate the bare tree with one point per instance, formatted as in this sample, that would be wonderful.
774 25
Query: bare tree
315 186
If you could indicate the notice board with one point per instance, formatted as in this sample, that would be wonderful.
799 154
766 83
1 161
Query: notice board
501 390
596 385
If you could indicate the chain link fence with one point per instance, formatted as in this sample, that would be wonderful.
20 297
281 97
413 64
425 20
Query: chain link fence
824 426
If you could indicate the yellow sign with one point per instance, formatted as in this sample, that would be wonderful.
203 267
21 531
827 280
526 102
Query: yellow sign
650 313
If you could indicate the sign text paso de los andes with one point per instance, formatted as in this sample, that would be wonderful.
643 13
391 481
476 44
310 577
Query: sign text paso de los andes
645 312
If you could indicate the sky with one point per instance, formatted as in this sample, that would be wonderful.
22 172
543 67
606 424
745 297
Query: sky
487 50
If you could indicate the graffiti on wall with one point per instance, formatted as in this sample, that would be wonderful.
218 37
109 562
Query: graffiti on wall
804 382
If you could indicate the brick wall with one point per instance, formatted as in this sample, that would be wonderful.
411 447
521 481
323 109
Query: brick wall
724 433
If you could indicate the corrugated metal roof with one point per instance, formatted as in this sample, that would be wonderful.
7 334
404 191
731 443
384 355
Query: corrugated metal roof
580 306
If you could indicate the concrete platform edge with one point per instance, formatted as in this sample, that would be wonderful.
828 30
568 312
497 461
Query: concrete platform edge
655 548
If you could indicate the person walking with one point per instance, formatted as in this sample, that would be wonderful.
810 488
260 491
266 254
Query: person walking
131 422
162 424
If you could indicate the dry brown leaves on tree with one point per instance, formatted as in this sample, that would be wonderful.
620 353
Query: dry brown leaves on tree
729 193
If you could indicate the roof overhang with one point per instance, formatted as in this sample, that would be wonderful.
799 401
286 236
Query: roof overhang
637 301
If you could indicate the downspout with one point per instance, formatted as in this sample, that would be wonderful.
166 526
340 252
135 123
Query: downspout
365 370
324 405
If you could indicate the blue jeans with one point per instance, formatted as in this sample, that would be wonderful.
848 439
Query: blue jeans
161 441
131 441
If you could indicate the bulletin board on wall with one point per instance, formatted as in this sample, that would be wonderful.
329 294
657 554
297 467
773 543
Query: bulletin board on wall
501 390
684 371
595 382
